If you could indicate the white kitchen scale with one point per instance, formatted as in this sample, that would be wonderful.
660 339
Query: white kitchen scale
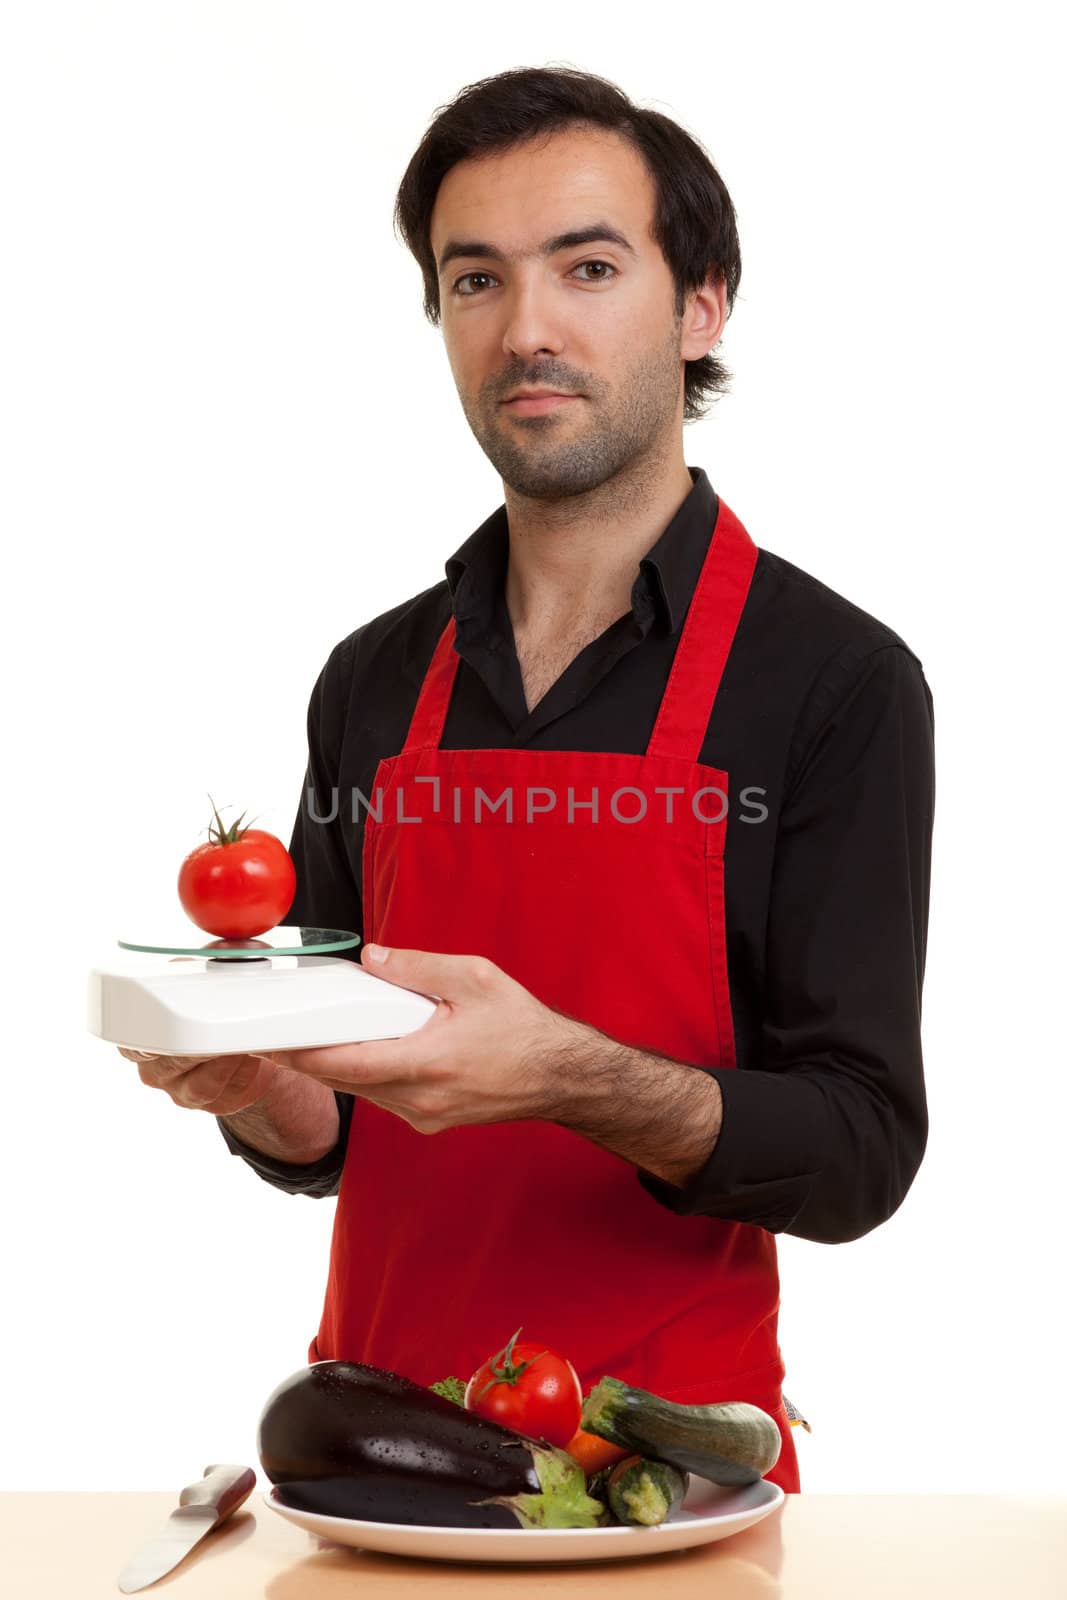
285 990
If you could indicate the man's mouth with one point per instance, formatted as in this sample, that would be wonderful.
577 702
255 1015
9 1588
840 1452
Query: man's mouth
531 405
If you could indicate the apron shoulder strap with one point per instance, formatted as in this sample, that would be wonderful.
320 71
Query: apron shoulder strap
707 635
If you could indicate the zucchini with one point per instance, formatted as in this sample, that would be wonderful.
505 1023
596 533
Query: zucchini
597 1485
645 1492
732 1443
349 1440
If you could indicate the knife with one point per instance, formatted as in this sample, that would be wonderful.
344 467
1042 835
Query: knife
201 1507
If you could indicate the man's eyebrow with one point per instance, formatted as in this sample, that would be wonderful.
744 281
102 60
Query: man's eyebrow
595 233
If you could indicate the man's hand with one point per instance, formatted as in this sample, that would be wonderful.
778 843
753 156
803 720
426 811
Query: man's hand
219 1084
491 1052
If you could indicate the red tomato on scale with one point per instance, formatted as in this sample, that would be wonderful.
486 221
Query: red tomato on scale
528 1388
240 884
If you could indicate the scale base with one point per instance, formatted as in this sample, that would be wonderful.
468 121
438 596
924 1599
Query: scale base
197 1006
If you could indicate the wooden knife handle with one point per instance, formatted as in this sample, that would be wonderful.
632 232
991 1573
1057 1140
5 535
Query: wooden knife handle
223 1487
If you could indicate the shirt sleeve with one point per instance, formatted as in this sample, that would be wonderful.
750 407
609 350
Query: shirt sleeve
327 896
824 1130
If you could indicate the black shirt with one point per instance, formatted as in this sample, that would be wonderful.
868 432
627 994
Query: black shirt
824 716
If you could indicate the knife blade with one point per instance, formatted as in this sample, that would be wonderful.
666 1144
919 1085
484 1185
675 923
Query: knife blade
201 1507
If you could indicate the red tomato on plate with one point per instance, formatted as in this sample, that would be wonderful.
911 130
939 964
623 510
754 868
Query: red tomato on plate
241 883
529 1388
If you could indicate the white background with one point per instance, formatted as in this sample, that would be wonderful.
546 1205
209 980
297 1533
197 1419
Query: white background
231 437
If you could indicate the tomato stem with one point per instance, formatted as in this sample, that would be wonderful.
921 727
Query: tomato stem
220 834
503 1366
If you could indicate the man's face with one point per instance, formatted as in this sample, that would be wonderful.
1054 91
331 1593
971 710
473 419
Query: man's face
594 319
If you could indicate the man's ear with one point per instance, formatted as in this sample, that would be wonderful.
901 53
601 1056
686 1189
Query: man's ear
704 319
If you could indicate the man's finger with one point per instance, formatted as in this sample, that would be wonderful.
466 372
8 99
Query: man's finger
156 1058
221 1077
369 1061
429 972
378 1094
363 1091
204 1084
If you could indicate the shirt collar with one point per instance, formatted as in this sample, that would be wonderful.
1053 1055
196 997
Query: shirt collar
661 592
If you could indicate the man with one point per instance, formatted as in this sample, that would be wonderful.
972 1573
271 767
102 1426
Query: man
648 808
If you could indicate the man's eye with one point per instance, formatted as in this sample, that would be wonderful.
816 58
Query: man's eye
598 279
466 275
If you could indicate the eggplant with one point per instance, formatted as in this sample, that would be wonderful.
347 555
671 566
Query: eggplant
347 1440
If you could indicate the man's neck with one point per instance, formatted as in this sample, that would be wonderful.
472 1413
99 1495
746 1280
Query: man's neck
578 559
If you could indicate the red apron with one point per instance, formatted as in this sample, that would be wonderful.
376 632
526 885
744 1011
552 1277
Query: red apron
596 881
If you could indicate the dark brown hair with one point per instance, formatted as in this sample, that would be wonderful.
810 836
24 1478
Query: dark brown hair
693 219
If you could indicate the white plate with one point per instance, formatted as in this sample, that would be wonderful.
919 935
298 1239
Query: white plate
707 1513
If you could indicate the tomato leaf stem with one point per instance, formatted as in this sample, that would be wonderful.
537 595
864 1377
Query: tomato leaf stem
503 1366
220 834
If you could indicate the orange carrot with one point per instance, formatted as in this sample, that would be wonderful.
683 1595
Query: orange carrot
593 1453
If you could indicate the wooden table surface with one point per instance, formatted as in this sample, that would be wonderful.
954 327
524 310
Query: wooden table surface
63 1546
